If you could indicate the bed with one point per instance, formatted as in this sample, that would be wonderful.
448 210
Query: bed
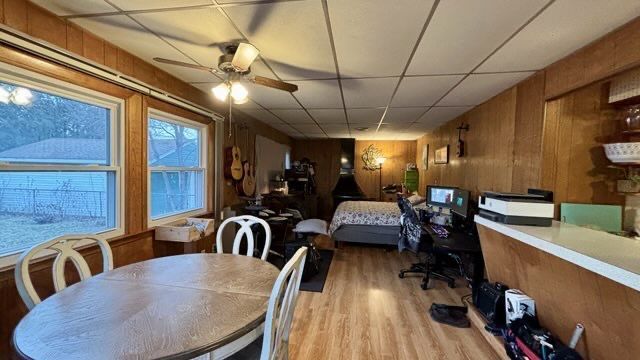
369 222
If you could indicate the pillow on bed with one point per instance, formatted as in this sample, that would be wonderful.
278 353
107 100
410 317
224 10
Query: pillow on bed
316 226
416 199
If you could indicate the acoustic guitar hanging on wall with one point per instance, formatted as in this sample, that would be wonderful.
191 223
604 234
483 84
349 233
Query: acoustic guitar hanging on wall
249 180
233 165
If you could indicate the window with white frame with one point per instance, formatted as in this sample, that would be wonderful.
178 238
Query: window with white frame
60 160
176 156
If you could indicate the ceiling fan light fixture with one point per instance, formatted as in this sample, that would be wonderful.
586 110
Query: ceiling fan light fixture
239 92
240 102
244 56
5 96
221 91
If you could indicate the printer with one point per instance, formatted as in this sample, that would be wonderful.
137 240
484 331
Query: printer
534 208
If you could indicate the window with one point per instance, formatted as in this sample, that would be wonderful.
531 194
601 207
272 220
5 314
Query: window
59 161
176 167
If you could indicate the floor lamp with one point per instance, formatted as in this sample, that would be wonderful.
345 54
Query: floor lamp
380 160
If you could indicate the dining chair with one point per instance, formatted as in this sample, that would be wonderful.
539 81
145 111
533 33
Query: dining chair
63 246
246 223
274 343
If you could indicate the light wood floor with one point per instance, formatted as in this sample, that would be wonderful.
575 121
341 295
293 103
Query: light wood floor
367 312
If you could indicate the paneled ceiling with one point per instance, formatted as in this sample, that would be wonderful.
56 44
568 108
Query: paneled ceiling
369 69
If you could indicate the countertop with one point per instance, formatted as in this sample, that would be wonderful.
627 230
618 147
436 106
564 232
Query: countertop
612 256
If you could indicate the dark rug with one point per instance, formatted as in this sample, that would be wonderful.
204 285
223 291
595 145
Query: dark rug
316 283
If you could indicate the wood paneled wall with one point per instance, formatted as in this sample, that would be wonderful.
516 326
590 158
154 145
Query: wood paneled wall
566 294
244 132
397 154
517 140
326 154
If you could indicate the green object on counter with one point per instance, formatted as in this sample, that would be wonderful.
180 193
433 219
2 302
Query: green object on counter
598 217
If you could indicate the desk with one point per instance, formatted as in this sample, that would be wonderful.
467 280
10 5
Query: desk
575 275
174 307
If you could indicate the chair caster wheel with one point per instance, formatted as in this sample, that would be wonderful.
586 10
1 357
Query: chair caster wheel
401 275
424 285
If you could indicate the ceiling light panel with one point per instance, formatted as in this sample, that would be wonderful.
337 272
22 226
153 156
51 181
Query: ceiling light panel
198 33
479 87
372 92
291 36
375 37
328 116
130 36
75 7
423 90
463 32
128 5
440 115
403 115
562 28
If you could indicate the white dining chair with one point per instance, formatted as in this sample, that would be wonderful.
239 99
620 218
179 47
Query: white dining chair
63 246
274 343
245 222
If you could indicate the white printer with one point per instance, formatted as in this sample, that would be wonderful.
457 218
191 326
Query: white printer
534 208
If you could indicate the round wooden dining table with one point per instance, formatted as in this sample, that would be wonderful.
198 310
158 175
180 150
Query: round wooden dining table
175 307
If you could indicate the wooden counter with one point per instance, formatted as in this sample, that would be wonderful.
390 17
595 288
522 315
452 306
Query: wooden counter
555 266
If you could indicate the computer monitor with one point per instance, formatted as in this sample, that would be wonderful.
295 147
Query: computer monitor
440 196
460 202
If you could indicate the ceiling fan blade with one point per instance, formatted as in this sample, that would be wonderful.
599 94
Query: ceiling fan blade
180 63
276 84
244 56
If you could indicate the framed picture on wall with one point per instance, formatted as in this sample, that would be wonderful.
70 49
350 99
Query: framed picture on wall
425 156
441 155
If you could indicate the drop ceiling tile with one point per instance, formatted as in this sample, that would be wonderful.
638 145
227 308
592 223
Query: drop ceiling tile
264 116
479 87
462 33
195 32
308 128
368 92
328 116
365 116
128 5
75 7
440 115
271 98
404 115
423 90
296 117
130 36
373 37
562 28
335 128
318 93
338 135
291 36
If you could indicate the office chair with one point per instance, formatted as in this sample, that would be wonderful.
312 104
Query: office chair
416 240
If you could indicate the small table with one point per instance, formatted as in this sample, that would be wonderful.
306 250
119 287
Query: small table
174 307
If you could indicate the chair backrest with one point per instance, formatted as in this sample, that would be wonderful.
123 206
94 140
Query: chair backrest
63 246
245 222
282 303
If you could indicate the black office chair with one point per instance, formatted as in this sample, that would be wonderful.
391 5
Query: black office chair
416 240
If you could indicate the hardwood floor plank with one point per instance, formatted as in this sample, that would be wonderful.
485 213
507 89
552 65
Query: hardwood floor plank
367 312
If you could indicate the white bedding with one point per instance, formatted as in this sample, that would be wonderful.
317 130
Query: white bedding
365 213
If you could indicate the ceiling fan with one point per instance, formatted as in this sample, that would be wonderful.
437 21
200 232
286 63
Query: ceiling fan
235 65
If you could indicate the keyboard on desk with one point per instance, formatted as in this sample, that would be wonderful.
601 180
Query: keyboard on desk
440 230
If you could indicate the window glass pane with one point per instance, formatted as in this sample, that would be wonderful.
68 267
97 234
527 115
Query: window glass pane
172 144
36 127
36 206
175 191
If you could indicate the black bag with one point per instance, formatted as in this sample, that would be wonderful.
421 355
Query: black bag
312 262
